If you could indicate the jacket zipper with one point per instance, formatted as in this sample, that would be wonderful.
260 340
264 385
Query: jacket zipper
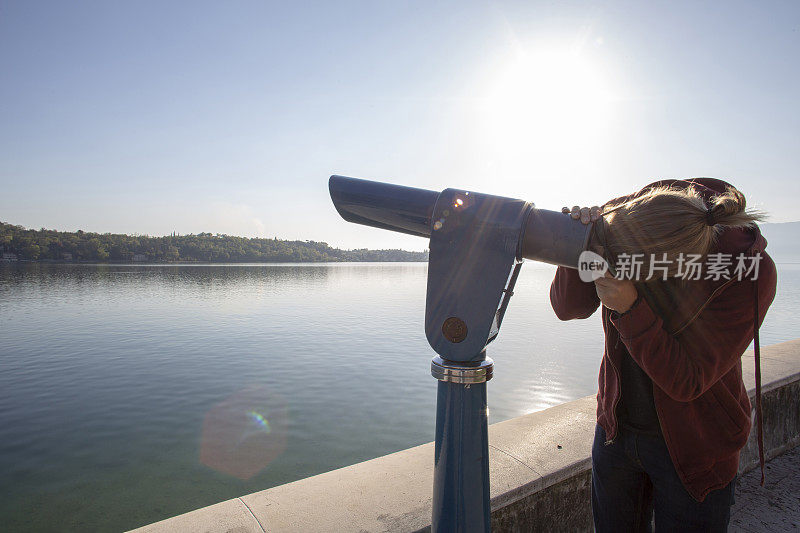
697 311
658 416
619 384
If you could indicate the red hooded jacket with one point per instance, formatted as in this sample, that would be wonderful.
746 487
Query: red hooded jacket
690 344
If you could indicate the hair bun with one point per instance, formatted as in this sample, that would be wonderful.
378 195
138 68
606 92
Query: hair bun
727 208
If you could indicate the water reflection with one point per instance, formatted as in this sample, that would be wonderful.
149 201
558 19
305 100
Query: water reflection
112 375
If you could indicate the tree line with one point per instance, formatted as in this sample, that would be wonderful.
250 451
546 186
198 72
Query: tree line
51 245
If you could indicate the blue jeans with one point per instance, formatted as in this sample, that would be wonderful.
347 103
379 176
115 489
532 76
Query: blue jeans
634 477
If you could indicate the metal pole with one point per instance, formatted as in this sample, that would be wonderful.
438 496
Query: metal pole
461 457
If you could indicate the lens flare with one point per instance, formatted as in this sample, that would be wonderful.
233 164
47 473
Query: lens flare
259 419
244 433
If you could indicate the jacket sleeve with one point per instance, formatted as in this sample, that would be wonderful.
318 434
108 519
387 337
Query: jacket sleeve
688 364
571 297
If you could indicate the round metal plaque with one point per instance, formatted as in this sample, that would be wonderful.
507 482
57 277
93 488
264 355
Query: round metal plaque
454 329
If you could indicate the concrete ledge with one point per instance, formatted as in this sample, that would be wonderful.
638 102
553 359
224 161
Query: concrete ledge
230 516
540 472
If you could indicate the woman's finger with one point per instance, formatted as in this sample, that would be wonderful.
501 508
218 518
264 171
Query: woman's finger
584 214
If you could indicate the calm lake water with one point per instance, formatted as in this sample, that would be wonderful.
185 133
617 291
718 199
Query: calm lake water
129 394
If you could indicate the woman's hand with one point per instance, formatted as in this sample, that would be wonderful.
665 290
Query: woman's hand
585 214
616 294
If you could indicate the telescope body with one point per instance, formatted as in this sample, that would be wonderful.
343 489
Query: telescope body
548 236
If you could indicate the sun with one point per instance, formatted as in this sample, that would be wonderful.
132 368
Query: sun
547 108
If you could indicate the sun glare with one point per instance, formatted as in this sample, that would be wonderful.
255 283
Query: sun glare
547 106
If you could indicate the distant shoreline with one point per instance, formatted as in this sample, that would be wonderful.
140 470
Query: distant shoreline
62 262
18 243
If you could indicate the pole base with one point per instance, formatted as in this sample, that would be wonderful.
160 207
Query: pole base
462 372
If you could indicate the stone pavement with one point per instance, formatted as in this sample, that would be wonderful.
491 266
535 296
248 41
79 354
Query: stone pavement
776 505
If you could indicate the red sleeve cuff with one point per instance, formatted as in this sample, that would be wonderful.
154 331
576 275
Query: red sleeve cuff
636 320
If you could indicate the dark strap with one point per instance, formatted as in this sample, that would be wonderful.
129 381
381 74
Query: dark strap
759 416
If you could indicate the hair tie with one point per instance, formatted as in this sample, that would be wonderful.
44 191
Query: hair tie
710 217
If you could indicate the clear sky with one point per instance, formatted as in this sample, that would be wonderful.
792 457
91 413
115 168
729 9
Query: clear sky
152 116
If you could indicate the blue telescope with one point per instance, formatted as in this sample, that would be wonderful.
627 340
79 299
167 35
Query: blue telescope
477 244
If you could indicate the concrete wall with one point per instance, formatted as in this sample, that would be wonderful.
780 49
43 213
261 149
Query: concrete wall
540 473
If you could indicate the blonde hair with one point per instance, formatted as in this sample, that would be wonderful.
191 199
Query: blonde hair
671 220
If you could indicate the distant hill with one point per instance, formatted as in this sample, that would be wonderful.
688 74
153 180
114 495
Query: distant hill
783 241
51 245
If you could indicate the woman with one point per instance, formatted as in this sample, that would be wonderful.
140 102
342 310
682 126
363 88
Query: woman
672 412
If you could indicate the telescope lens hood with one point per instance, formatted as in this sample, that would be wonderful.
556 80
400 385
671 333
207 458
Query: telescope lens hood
384 205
